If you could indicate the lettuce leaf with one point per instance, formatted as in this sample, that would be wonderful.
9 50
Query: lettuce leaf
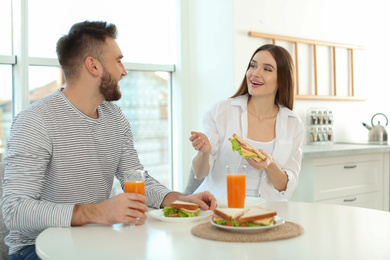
237 224
236 147
168 211
226 221
183 214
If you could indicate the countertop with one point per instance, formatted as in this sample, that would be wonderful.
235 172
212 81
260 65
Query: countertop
342 149
347 238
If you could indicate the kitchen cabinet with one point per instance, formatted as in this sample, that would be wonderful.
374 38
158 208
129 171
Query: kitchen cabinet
357 180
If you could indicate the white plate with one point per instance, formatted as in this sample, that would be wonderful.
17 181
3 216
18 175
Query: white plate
278 220
159 214
250 201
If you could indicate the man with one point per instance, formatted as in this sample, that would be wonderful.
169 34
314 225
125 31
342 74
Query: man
65 149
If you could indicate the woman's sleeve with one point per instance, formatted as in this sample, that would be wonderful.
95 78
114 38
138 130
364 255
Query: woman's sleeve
211 131
294 161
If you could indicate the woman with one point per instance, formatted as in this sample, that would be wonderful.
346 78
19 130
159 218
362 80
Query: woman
261 113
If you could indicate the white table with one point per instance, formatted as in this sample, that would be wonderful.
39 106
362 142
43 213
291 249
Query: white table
331 232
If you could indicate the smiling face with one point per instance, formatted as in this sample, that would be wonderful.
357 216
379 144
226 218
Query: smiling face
262 76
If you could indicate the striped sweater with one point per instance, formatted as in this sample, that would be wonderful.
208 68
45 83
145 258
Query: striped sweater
59 157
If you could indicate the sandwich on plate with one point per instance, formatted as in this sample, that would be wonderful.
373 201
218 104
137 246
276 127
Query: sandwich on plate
246 149
252 217
181 209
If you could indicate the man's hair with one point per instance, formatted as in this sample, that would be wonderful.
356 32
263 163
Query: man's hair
84 39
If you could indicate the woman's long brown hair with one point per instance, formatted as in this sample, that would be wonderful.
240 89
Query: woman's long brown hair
285 77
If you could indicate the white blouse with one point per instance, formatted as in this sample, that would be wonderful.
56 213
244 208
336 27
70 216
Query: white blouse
252 174
230 116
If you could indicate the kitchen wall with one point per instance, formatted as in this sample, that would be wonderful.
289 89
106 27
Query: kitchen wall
204 72
215 49
353 22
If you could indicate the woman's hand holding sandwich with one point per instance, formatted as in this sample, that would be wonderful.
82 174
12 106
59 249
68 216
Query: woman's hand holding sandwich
276 175
263 164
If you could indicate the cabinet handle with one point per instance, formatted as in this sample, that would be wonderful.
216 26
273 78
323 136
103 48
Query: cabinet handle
350 166
350 200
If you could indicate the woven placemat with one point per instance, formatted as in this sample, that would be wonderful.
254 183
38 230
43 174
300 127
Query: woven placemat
284 231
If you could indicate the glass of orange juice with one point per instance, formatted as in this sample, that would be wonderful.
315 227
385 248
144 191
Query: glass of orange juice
134 182
235 178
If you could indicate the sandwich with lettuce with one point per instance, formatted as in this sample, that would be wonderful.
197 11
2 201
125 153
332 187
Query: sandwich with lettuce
246 149
252 217
181 209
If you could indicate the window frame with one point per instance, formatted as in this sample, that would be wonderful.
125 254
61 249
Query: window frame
21 61
8 60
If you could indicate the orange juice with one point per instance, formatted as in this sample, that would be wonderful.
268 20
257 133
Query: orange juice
135 187
236 191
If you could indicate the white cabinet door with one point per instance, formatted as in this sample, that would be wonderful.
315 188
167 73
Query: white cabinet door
344 176
357 180
372 200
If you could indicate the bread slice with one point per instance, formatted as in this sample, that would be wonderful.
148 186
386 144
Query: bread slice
178 204
247 146
193 211
229 213
256 213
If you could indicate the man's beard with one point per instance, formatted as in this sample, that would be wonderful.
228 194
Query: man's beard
109 87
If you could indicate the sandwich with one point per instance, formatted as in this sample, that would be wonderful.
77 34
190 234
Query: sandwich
258 216
252 217
228 216
246 149
181 209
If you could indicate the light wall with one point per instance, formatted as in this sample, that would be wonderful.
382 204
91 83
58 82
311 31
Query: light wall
216 49
204 72
344 21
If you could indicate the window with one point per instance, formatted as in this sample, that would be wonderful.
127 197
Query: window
147 47
5 107
6 61
141 39
145 103
5 28
43 81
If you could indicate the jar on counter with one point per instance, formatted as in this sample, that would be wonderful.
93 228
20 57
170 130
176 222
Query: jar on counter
313 134
330 134
330 117
320 137
314 117
325 118
320 126
325 136
320 118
